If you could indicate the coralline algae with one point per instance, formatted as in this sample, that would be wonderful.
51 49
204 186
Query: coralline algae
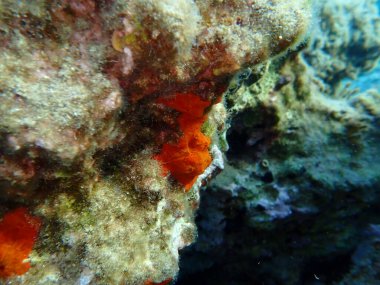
90 119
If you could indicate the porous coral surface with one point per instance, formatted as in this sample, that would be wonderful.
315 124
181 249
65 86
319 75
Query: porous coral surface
89 124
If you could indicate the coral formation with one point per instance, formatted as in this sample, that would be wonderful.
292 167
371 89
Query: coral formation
18 233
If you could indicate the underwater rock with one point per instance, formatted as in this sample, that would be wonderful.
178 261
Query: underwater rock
88 111
345 42
365 260
301 182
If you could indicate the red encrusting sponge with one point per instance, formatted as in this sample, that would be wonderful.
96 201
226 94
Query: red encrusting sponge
189 157
18 233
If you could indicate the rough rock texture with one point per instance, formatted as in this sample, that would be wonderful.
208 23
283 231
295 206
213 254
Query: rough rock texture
82 121
345 42
299 198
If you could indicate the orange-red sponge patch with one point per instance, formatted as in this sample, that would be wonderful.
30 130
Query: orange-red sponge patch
186 103
165 282
18 232
189 157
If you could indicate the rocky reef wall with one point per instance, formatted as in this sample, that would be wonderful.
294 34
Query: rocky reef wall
299 198
112 117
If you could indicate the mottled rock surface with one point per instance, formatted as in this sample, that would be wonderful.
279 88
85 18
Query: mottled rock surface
82 123
299 198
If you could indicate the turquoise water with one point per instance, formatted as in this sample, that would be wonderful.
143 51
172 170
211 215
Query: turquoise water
366 81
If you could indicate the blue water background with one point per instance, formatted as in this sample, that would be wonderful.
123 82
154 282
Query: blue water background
368 80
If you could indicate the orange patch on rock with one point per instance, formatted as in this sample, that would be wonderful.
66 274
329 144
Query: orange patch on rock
18 233
189 157
165 282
